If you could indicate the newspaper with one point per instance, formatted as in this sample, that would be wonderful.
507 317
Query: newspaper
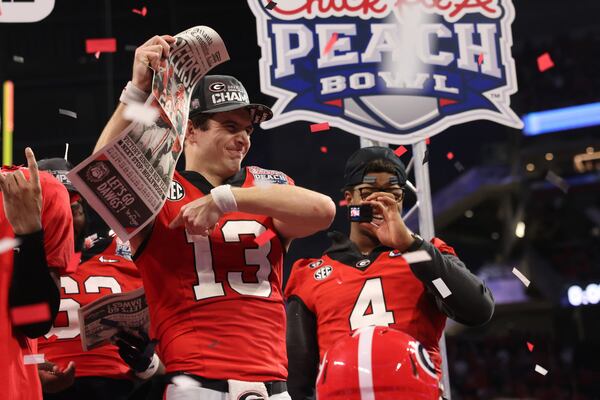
127 180
101 319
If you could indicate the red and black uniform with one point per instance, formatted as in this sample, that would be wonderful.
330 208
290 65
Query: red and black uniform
216 302
105 268
17 380
344 290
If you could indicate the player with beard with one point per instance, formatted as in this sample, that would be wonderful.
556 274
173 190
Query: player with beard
211 261
364 280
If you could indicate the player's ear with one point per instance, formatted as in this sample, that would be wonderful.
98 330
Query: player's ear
348 195
189 132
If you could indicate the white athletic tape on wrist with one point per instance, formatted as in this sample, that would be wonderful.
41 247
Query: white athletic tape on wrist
131 94
151 370
224 198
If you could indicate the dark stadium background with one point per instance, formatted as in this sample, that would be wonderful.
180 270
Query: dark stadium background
561 246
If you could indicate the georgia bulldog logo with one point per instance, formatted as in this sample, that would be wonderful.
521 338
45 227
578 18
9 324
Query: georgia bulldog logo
251 396
395 71
97 171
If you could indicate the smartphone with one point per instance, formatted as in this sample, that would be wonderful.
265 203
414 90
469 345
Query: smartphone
362 213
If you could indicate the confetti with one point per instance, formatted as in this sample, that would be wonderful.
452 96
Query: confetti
450 155
441 287
323 149
416 256
427 141
330 43
264 237
141 12
557 181
343 203
67 113
400 151
480 59
30 314
52 339
18 59
33 359
319 127
426 157
521 277
141 113
271 5
7 244
540 370
530 346
545 62
96 46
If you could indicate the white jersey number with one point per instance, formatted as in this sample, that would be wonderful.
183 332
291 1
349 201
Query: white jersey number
208 287
371 295
91 285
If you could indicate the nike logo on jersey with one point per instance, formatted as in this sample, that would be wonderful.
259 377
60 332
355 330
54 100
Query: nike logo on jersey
107 260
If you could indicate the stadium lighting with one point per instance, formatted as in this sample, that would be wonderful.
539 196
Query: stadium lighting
520 229
561 119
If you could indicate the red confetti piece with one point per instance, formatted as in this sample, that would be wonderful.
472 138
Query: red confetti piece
343 203
427 141
30 314
400 151
480 59
141 12
52 339
95 46
319 127
336 103
323 149
264 237
530 346
330 43
545 62
450 155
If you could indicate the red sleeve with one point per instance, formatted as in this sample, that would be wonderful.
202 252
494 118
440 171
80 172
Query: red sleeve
443 247
57 222
298 285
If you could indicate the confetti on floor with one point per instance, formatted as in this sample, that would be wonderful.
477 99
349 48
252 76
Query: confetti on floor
7 244
323 149
264 237
30 314
271 5
18 59
141 12
324 126
141 113
400 151
441 287
30 359
540 370
330 43
67 113
521 277
545 62
530 346
107 45
416 256
557 181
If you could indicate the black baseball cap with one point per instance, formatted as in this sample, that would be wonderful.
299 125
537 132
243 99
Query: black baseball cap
220 93
354 172
58 167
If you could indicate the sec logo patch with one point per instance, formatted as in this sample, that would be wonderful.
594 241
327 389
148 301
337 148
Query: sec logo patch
323 272
176 191
315 264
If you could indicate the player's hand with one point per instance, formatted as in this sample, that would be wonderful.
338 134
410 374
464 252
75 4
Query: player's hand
148 57
54 379
136 351
387 223
199 216
23 198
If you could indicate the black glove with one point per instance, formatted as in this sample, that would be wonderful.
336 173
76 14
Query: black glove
136 351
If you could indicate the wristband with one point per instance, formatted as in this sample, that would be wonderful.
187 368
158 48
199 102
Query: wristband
131 94
224 199
151 370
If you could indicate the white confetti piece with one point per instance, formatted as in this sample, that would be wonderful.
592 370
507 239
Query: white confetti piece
18 59
541 370
7 244
67 113
557 181
141 113
521 277
33 359
440 285
416 256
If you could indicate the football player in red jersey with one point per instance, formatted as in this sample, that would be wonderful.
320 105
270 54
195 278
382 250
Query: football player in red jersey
35 210
105 267
212 260
363 279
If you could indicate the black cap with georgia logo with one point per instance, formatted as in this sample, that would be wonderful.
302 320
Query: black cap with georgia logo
221 93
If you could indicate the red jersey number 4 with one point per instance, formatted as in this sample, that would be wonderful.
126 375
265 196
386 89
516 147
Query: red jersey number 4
370 307
208 287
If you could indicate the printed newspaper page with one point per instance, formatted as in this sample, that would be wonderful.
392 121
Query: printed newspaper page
100 320
127 180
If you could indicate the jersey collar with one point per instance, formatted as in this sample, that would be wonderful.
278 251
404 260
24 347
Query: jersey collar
196 179
346 252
